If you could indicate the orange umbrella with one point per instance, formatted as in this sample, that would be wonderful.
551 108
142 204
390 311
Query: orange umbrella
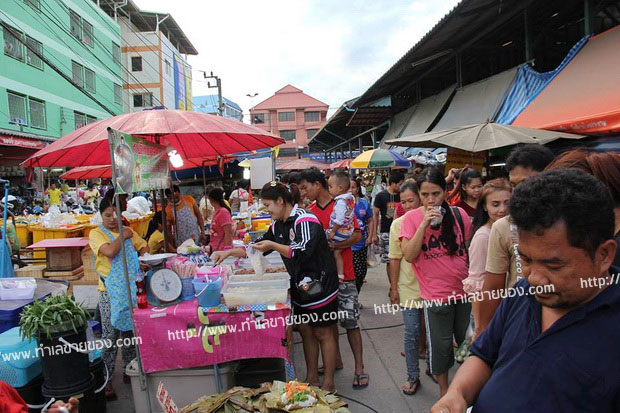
344 163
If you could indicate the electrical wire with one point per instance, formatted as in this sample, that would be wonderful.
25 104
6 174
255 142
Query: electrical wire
357 401
364 329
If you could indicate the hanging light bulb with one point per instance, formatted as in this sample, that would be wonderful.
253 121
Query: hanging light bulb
246 173
175 159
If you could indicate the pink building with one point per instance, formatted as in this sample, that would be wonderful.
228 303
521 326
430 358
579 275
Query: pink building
292 115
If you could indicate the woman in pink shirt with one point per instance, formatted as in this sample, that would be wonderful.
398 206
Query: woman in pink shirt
221 222
433 240
493 206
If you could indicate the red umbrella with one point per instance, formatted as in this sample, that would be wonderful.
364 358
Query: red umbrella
194 135
344 163
299 164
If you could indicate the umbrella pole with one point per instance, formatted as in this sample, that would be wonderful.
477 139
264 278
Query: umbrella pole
4 216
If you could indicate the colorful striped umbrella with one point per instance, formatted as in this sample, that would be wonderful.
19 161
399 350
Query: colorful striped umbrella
380 158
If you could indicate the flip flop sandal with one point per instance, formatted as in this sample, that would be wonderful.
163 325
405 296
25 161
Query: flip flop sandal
412 383
322 370
359 378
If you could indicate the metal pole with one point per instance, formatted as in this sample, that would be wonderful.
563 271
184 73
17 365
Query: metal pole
587 18
4 216
528 36
144 385
219 96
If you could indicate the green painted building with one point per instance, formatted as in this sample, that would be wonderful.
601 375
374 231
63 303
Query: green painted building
60 69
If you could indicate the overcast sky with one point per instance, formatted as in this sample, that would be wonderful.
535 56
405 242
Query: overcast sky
331 49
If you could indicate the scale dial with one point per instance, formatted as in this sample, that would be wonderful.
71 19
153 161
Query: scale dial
166 285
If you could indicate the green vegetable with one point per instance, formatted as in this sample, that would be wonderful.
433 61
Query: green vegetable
54 314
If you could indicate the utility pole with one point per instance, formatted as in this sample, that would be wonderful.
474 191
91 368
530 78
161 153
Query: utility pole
218 85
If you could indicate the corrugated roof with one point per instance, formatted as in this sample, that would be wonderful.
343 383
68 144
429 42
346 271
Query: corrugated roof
290 97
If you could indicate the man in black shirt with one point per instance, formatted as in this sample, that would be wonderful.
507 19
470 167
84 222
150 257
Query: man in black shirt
384 207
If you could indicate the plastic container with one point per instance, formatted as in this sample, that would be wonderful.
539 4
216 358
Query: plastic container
141 225
185 386
260 284
208 293
88 228
253 373
24 365
267 277
23 235
18 288
187 293
237 294
31 393
40 233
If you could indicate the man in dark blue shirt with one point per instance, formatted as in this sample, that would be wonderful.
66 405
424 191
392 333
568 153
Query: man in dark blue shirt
554 347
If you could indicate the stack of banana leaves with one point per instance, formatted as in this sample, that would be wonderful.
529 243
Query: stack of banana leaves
270 397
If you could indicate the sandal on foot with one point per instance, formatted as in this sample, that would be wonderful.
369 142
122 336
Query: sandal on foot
412 387
358 379
322 369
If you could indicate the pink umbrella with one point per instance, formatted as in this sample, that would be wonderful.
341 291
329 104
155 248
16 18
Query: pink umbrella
344 163
194 135
299 164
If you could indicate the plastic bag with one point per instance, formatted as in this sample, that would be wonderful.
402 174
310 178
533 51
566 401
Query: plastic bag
138 205
96 219
257 260
373 256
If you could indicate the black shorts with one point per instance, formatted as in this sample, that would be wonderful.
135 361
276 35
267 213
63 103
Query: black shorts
318 317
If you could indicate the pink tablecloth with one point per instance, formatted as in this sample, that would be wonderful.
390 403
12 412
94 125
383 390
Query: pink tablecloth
183 335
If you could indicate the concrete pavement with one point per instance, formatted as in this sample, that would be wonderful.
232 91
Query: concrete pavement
382 335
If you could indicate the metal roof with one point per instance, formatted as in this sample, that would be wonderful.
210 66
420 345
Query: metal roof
146 21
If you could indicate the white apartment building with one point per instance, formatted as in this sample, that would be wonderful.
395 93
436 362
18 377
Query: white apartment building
153 54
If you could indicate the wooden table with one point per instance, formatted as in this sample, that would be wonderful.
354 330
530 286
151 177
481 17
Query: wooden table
62 254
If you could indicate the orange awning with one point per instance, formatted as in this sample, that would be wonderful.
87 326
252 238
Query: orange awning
583 98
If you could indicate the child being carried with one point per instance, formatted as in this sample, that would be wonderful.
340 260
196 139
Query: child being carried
342 220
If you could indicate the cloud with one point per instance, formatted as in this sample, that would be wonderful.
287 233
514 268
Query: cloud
333 50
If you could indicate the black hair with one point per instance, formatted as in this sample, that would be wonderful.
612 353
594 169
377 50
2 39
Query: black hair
396 177
342 179
578 199
90 185
313 175
293 178
217 195
106 202
244 184
358 183
434 175
157 219
530 155
272 191
175 188
466 176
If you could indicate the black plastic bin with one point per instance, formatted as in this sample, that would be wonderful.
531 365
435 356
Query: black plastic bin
254 372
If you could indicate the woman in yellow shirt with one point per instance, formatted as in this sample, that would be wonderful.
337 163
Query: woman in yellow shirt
113 306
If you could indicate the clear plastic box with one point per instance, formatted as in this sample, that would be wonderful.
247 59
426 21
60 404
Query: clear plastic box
18 288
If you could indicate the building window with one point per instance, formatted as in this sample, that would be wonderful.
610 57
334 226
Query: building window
116 53
35 4
31 58
258 118
12 44
37 113
311 116
78 73
287 135
286 116
76 25
80 119
118 94
87 33
167 67
17 109
89 80
136 64
311 133
143 100
90 119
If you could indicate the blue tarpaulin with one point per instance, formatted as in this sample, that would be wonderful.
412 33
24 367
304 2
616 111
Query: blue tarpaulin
528 84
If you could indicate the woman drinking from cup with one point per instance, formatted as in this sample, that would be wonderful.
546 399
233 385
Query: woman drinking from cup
299 238
433 240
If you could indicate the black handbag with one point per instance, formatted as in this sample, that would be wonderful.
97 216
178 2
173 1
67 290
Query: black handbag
310 290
